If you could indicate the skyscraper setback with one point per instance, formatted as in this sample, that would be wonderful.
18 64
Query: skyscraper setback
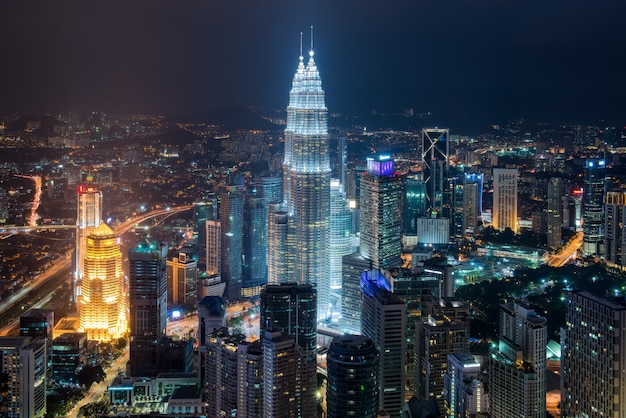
306 179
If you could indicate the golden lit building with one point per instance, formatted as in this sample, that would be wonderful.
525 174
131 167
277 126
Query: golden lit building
102 307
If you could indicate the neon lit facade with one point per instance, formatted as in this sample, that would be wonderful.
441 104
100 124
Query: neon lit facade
306 171
102 306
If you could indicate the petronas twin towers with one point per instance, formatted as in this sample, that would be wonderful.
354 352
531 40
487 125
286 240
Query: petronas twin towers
306 184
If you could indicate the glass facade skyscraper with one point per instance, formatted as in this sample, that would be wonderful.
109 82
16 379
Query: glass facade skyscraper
593 207
306 179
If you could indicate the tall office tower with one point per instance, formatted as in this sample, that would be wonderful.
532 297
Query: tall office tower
102 308
306 185
416 289
555 212
182 279
445 331
353 387
435 164
384 321
250 380
465 394
281 377
505 199
592 362
472 201
211 317
381 214
221 378
614 221
39 323
340 232
23 363
456 205
204 211
270 187
593 208
291 308
281 242
414 202
255 244
577 197
147 280
213 248
352 266
517 369
231 218
88 217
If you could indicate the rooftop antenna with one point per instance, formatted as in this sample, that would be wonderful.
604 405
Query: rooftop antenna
311 38
300 45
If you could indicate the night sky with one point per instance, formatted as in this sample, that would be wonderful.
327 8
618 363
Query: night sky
547 60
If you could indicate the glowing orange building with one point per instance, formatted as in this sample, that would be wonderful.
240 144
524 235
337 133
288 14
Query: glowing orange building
102 307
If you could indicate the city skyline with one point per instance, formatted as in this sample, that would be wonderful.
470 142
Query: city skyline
480 60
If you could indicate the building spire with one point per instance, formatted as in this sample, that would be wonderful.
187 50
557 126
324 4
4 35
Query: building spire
311 51
301 57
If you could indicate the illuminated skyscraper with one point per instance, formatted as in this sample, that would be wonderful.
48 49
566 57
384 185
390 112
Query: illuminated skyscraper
592 362
555 212
231 219
340 232
102 308
593 207
255 215
414 202
505 198
435 163
182 279
306 183
88 217
381 214
614 234
148 306
23 366
472 200
213 247
517 369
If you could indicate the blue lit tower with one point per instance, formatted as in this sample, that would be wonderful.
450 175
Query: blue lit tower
472 200
435 164
231 219
306 171
593 207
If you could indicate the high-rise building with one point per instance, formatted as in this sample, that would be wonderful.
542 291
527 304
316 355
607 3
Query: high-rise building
472 201
465 388
505 199
381 214
102 307
614 221
281 257
340 233
39 323
88 217
445 331
255 243
23 362
250 380
517 369
211 317
231 219
270 187
592 357
306 181
353 387
291 309
182 279
415 202
213 248
435 164
593 207
352 266
281 377
383 319
148 306
555 212
204 211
